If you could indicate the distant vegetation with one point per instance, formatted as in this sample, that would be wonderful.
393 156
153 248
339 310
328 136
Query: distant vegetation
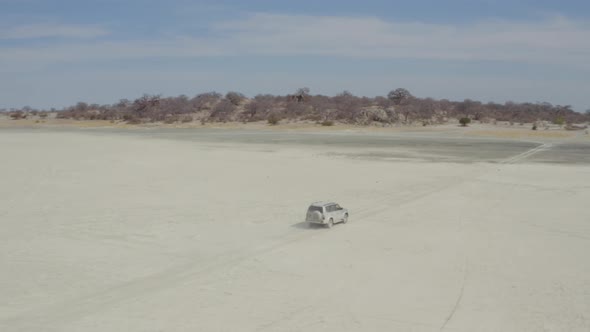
464 121
398 107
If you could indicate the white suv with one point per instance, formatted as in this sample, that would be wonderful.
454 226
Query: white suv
326 213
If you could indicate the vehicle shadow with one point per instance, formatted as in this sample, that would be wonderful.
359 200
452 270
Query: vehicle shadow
306 225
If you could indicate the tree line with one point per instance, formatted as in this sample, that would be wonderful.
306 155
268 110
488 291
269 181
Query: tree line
398 107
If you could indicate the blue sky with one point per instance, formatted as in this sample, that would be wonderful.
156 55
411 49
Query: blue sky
56 53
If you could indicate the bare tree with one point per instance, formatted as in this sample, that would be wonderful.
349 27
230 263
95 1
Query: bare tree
303 91
235 97
145 103
399 96
348 106
426 109
259 108
300 95
223 111
205 101
345 107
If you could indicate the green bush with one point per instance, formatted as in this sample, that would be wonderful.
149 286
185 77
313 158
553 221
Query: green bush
327 123
559 121
464 121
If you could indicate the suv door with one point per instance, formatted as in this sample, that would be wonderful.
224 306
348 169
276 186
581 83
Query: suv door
333 212
338 212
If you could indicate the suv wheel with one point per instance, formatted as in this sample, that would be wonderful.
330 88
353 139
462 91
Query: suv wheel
345 220
330 223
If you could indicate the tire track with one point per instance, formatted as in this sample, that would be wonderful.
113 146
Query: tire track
132 290
459 297
135 289
526 154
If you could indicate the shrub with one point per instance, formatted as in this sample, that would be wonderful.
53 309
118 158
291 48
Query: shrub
18 115
222 111
131 119
170 119
313 117
559 121
273 119
464 121
327 123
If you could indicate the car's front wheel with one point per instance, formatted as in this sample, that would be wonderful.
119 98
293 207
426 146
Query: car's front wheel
345 220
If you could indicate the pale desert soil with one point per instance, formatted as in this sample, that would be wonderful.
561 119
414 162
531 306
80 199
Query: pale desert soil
115 232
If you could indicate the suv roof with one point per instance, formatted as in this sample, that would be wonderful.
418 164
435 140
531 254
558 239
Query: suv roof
322 203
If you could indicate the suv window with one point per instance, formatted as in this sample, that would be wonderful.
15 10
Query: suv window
331 208
315 208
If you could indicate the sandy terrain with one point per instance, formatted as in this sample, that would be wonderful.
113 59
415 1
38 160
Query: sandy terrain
155 230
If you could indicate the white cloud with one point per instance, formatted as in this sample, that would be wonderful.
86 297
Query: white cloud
31 31
557 40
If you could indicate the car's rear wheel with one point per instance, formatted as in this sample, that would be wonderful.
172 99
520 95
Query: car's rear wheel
330 223
345 220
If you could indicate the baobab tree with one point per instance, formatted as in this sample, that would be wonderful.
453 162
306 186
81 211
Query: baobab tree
301 95
399 96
